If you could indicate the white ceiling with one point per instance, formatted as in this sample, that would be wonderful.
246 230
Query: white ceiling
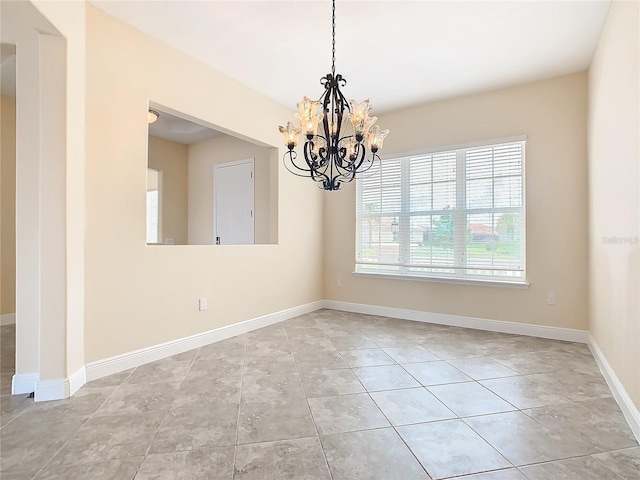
398 53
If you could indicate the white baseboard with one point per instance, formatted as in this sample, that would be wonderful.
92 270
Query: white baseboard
542 331
7 319
23 383
118 363
55 389
629 410
77 380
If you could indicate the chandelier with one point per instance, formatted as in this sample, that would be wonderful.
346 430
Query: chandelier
336 153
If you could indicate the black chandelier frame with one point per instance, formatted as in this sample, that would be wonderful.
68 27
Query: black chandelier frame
329 158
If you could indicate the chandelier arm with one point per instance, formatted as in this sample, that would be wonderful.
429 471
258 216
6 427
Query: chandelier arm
322 155
341 156
343 178
292 155
309 172
317 169
375 160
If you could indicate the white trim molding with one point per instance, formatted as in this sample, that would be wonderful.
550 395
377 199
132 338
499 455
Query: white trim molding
629 410
77 380
56 389
23 383
60 388
542 331
125 361
7 319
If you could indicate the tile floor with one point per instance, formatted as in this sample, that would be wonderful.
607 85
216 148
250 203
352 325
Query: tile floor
334 395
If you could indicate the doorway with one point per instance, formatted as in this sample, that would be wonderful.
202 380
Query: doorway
233 187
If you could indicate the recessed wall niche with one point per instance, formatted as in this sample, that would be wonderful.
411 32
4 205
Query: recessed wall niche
206 186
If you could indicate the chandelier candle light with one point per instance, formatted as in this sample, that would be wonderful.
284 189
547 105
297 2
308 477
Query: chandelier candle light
335 155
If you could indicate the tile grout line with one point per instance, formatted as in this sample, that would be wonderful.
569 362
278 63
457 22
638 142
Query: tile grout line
313 420
235 447
90 417
144 457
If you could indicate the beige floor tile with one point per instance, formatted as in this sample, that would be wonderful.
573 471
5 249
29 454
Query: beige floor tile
508 474
13 405
140 398
573 385
600 421
387 377
524 441
114 380
259 365
368 357
352 342
195 427
449 351
263 422
172 369
108 438
410 353
373 455
30 441
464 451
346 413
625 463
203 390
470 398
323 360
296 459
414 405
523 392
435 373
213 464
482 368
120 469
583 468
326 383
276 388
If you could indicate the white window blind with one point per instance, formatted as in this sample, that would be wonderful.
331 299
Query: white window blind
456 213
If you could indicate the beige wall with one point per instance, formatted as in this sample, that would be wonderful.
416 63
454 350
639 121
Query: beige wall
202 158
8 202
553 115
139 296
172 159
614 184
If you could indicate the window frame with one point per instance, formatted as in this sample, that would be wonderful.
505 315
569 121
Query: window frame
158 207
459 214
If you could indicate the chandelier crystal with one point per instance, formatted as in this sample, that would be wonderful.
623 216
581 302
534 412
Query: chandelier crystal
333 152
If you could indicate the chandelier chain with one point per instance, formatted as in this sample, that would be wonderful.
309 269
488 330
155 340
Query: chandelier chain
333 37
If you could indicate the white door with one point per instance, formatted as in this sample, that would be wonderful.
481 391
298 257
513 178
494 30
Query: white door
233 199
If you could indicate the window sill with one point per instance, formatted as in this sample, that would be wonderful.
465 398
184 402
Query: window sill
460 281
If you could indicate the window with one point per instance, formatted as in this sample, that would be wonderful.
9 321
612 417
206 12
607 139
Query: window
449 214
153 206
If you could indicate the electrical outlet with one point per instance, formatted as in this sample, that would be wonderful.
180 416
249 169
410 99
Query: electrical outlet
338 282
202 304
551 299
